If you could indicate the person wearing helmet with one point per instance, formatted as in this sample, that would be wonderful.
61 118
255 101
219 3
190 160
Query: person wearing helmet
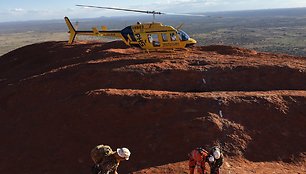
215 160
197 159
106 160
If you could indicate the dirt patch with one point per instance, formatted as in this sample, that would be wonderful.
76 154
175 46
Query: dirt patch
128 51
231 165
229 50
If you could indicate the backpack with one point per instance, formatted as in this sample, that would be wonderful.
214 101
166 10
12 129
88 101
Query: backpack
100 152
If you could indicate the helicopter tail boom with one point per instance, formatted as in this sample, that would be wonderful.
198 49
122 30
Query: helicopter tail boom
73 32
93 32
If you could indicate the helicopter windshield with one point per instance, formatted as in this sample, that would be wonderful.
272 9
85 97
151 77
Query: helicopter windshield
183 36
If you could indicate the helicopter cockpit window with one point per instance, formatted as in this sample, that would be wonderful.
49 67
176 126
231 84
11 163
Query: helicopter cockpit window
183 36
172 36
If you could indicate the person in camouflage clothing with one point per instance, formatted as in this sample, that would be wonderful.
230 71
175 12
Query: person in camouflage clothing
106 160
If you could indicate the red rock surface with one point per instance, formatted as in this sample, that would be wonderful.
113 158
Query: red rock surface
58 101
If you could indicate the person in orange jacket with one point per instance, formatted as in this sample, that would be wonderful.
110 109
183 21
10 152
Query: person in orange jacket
197 159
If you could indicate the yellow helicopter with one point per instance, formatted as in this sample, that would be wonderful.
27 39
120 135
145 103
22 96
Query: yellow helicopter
148 36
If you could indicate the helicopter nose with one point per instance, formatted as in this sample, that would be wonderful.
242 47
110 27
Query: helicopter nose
191 42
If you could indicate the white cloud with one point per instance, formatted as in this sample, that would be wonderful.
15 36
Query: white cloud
18 10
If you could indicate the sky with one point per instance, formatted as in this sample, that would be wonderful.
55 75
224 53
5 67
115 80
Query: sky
24 10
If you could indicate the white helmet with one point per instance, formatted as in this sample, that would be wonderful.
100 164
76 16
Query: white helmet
217 154
211 159
124 153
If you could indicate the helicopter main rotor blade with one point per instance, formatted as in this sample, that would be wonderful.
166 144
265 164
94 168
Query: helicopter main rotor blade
186 14
122 9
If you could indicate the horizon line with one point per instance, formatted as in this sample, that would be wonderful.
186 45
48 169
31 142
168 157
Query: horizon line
228 11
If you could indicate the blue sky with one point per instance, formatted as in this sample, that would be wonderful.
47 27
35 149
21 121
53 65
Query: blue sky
21 10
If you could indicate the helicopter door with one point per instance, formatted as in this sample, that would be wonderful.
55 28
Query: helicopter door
153 39
173 37
170 40
164 37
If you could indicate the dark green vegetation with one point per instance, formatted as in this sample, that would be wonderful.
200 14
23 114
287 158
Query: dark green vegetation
276 31
280 31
